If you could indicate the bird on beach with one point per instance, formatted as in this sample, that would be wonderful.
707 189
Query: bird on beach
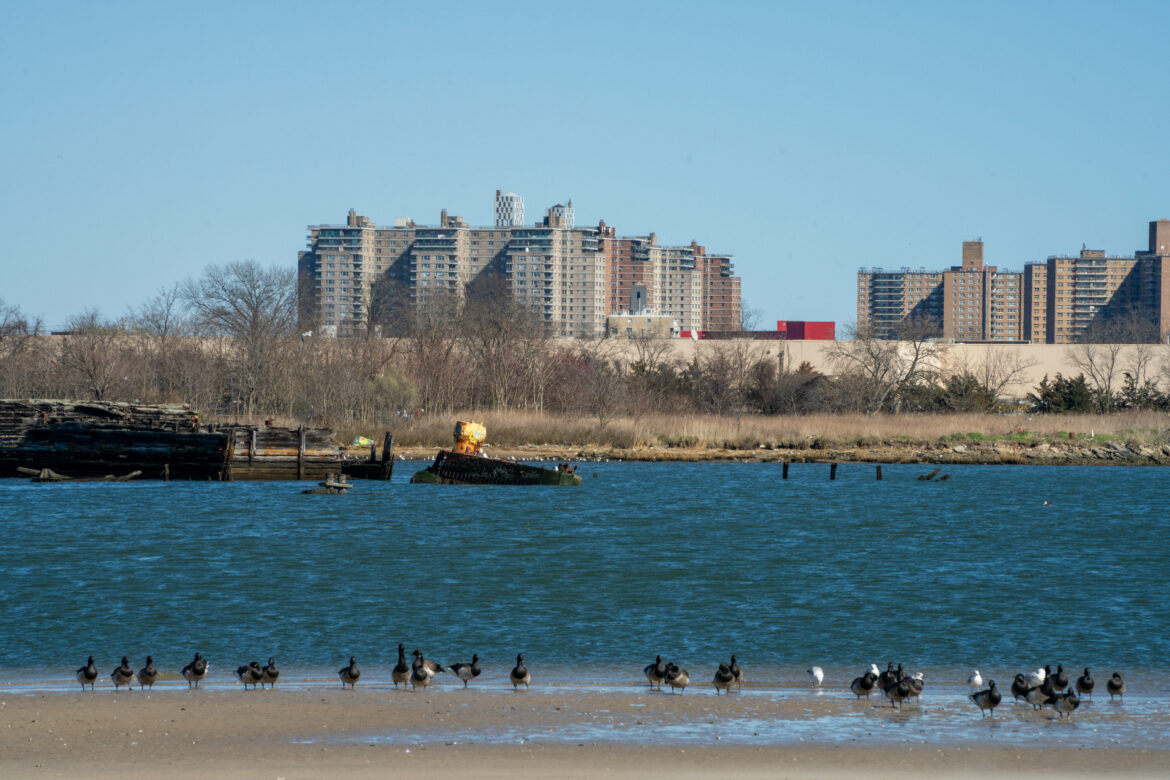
655 672
1036 678
349 674
1019 686
1059 678
987 700
898 692
250 674
467 672
1085 684
1065 704
123 675
736 672
195 671
1116 686
975 681
269 673
863 685
427 666
887 677
520 674
401 671
88 674
916 682
724 679
419 677
1040 695
677 678
147 675
816 674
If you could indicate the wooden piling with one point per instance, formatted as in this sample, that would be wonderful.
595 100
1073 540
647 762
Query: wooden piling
879 472
832 471
301 452
387 456
784 470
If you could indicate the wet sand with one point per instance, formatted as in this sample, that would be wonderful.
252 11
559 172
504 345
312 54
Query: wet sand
323 730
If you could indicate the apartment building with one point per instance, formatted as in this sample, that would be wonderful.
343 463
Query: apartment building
1052 301
574 276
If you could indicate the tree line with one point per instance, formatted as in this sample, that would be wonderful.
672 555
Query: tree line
233 344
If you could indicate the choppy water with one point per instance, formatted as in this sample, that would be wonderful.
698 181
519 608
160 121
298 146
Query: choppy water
693 561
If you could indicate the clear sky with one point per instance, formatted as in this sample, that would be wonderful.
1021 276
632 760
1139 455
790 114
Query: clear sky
143 141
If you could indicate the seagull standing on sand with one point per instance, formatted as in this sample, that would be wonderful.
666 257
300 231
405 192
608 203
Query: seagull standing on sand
123 675
987 700
147 674
975 681
270 673
655 672
816 674
1085 684
724 679
1116 686
88 674
195 671
349 674
520 675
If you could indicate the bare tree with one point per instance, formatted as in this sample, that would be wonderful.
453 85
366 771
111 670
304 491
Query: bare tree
886 369
997 368
500 333
91 354
256 308
18 351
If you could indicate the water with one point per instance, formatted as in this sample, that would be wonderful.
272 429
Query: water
693 561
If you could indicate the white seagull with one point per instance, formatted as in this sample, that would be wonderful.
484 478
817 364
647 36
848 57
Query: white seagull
816 674
975 681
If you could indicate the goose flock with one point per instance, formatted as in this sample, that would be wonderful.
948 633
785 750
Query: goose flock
1040 688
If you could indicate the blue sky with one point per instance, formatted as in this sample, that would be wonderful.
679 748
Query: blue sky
143 141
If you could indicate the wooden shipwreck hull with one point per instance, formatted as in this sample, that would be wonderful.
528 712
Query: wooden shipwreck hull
461 469
92 439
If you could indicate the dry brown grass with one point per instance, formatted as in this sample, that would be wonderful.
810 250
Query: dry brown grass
513 429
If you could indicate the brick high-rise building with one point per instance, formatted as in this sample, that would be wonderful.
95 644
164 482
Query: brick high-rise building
574 276
1053 301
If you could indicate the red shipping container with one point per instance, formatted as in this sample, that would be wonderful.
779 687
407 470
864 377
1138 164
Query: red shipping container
820 331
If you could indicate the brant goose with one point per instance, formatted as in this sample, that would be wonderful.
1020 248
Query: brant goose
195 671
520 675
88 674
1059 678
123 675
270 673
147 674
250 674
467 672
1065 704
987 700
863 685
401 672
724 679
1085 684
677 678
1116 686
655 672
736 672
349 674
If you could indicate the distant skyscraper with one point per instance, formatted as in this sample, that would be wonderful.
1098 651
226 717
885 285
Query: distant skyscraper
509 209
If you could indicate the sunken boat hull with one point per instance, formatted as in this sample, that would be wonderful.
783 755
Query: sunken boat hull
457 468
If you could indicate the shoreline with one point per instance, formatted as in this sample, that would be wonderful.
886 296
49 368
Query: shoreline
449 731
982 453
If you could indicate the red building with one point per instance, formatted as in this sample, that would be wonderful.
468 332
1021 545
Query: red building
800 330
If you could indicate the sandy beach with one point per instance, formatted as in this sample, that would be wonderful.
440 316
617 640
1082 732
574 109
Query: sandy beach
448 732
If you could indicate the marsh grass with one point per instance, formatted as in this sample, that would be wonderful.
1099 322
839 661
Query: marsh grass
707 432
